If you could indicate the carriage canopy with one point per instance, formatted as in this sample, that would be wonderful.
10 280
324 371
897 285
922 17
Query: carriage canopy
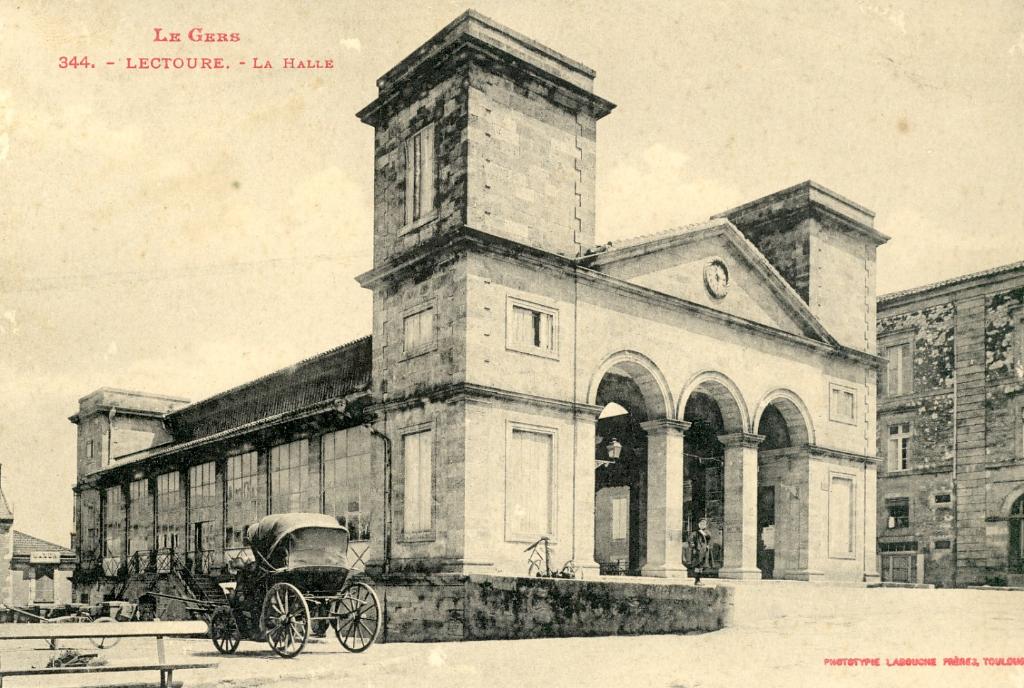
299 541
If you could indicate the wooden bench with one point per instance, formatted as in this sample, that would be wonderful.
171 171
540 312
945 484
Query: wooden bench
137 629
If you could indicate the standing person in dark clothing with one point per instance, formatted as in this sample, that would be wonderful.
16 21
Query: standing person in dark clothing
700 550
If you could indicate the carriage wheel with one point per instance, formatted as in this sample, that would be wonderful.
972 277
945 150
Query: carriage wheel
286 619
103 643
53 643
224 631
356 616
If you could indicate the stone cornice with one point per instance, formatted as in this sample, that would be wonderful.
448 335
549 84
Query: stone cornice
815 450
442 56
741 439
467 238
466 391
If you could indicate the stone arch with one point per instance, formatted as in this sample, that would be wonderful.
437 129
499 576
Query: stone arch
725 393
1010 500
793 410
645 373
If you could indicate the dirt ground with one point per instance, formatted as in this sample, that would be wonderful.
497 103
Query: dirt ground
784 634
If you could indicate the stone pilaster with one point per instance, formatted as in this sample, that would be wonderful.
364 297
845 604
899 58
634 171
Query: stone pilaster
665 498
740 489
870 522
583 498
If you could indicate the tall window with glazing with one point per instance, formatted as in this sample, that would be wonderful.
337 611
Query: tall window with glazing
170 514
140 518
290 486
346 456
242 502
113 523
204 507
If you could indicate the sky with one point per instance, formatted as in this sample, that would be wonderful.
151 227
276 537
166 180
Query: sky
183 232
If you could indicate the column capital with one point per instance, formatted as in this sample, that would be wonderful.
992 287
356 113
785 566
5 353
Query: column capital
741 439
663 426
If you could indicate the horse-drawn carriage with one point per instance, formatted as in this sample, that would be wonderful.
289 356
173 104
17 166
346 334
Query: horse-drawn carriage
298 581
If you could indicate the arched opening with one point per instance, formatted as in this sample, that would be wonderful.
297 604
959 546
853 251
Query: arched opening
620 481
1016 524
630 390
711 409
784 426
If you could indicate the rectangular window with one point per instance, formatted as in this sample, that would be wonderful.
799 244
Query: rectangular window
418 331
528 480
347 479
44 585
620 518
898 512
942 499
89 449
417 454
842 404
841 519
899 446
290 484
242 494
532 329
169 511
419 175
140 517
204 507
943 544
113 517
899 377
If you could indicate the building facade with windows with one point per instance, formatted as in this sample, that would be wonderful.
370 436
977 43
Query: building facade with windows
521 383
33 572
951 430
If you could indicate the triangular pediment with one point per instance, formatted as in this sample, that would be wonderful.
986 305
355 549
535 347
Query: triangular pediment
689 264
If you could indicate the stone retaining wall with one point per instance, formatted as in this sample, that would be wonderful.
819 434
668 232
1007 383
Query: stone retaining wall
447 607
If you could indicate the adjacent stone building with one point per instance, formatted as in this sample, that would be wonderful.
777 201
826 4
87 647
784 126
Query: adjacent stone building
33 572
951 430
522 383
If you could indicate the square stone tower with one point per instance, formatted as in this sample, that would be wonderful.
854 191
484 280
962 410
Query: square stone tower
484 150
485 128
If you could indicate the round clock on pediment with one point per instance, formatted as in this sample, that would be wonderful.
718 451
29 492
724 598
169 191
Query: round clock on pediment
716 278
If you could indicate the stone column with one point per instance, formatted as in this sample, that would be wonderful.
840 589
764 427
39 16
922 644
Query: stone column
584 469
870 526
665 498
739 482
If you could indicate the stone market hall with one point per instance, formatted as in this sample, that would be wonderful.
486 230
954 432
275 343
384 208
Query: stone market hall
522 382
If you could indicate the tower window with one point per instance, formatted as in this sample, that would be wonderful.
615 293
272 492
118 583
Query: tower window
532 329
418 332
419 176
842 404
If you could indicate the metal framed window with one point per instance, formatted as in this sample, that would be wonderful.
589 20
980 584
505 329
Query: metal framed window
897 512
348 480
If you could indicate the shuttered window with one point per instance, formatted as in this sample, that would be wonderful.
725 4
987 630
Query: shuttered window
528 479
44 585
417 453
840 517
418 331
620 518
899 377
419 175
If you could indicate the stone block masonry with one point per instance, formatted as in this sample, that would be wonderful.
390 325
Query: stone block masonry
449 607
